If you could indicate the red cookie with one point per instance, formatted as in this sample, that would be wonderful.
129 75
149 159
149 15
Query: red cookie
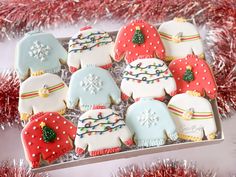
136 40
47 137
194 74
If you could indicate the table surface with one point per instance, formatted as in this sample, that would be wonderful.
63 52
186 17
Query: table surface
220 157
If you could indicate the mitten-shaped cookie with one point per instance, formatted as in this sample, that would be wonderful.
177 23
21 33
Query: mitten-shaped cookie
193 115
90 46
192 73
180 38
39 52
147 78
138 39
101 130
44 93
150 121
46 137
91 86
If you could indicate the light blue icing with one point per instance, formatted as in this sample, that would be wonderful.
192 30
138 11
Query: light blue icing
151 121
92 86
39 51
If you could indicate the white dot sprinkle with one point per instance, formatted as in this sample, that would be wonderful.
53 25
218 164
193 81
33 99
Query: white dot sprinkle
132 24
125 34
209 83
128 40
50 114
124 45
197 83
147 51
148 37
57 127
46 150
34 127
205 71
64 122
71 127
131 29
29 143
143 26
158 42
147 31
26 133
136 54
40 139
53 121
178 78
45 118
195 64
202 64
173 71
174 63
155 47
151 26
203 78
180 69
58 117
134 46
187 85
38 147
214 89
58 138
154 36
64 132
129 52
67 142
124 27
36 120
196 72
196 59
74 135
150 43
179 89
209 91
58 145
33 155
33 136
186 63
162 51
118 41
53 152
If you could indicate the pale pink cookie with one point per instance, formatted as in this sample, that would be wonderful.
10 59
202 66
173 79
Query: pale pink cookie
46 137
193 73
100 131
90 46
138 39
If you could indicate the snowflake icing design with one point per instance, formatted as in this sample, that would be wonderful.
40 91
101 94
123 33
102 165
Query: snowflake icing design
92 84
39 50
148 118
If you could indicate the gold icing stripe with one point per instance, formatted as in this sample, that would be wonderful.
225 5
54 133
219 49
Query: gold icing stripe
182 110
188 137
194 118
170 58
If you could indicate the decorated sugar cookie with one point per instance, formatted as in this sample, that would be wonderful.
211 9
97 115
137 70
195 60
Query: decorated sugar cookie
39 52
180 38
147 78
138 39
91 86
47 137
193 116
44 93
101 131
192 73
90 46
150 121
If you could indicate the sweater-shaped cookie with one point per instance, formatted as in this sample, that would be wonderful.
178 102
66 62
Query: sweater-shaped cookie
101 130
90 46
39 52
192 73
147 78
193 116
180 38
138 39
47 137
44 93
92 86
150 121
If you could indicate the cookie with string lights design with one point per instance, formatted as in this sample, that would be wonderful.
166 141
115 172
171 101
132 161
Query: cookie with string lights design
147 77
46 137
180 38
138 39
101 131
44 93
194 74
37 53
150 121
90 46
193 116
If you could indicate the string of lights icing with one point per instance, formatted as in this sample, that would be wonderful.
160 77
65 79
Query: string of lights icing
89 48
99 117
138 66
154 74
87 125
148 81
92 39
110 129
85 37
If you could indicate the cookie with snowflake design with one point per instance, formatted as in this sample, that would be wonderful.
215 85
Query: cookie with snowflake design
39 52
92 86
151 123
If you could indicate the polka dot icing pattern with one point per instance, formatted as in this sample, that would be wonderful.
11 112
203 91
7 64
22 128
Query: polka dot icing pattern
202 79
36 148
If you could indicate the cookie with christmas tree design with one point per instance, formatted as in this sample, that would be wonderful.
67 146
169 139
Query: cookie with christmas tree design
194 74
90 46
46 137
136 40
101 131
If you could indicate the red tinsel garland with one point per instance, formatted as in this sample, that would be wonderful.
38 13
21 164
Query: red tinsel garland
165 168
218 17
17 169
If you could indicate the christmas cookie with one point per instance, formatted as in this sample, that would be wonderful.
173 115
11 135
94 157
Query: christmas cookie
150 121
192 73
90 46
91 86
147 78
193 116
101 131
39 52
138 39
44 93
180 38
47 137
